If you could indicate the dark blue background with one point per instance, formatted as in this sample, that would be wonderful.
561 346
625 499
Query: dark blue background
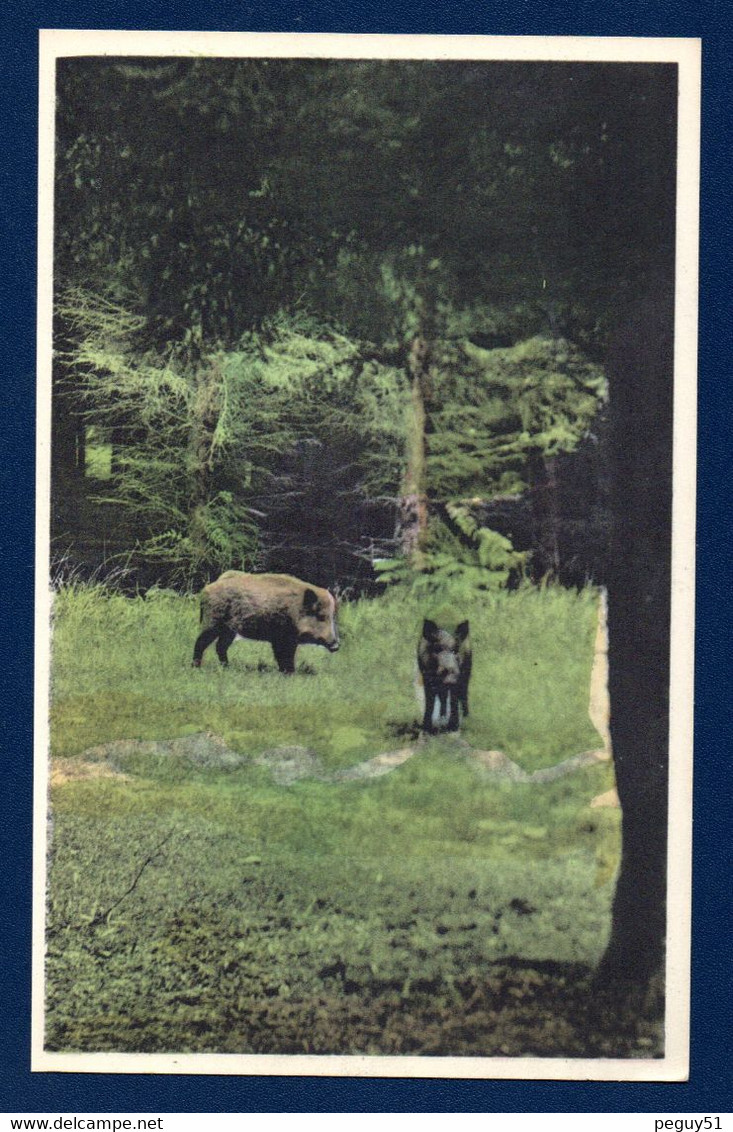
709 1088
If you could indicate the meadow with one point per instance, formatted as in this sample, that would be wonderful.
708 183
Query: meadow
198 904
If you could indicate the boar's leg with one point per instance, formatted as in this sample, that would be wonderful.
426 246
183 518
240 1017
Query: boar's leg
284 649
453 718
202 643
427 723
463 697
226 636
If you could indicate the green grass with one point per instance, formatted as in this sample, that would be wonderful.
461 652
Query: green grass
231 942
204 907
122 669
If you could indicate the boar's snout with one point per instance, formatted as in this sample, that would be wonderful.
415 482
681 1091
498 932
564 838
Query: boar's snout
448 669
334 646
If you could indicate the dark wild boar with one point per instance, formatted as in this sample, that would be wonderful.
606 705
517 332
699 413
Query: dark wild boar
266 607
444 661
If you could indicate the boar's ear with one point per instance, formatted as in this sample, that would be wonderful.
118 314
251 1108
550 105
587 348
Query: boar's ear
462 632
429 630
310 601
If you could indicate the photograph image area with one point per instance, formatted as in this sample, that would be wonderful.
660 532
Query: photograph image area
360 380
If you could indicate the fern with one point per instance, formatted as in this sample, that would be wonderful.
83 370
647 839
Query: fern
456 567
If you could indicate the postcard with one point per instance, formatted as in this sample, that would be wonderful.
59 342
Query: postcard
366 386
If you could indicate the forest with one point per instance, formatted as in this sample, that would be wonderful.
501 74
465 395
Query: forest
322 316
357 321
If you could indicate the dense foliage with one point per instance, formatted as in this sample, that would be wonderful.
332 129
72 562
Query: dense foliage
243 452
265 240
224 189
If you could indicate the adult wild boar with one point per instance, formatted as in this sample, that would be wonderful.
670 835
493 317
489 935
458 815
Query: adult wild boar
266 607
444 662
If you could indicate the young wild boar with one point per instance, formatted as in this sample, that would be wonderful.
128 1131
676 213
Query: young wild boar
266 607
444 661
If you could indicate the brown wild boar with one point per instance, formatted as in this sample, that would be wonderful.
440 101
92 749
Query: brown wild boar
266 607
444 661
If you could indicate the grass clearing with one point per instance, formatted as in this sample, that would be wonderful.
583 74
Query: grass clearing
122 669
429 910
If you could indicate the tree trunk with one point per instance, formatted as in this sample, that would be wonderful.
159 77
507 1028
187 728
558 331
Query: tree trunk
413 516
640 372
206 409
545 508
69 434
639 580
